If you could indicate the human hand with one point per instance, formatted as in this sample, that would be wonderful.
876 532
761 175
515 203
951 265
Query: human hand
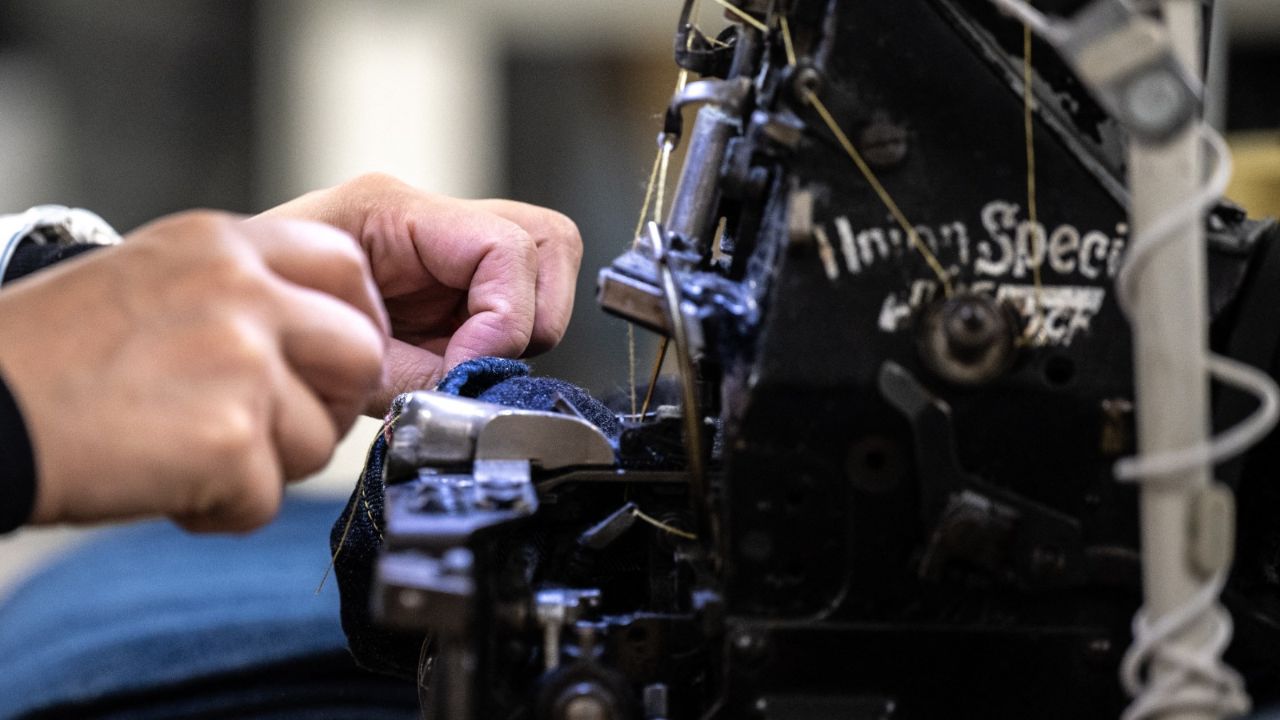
191 370
460 278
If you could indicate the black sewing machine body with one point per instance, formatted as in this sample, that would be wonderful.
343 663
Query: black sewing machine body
892 523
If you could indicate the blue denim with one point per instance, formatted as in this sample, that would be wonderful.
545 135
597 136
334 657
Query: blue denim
148 621
507 382
495 380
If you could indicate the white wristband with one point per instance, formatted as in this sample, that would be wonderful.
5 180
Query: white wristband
51 224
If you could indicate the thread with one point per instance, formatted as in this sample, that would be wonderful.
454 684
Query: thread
912 236
787 43
653 375
663 526
740 14
383 432
1033 211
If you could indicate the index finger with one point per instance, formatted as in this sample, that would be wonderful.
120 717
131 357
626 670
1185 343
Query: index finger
415 240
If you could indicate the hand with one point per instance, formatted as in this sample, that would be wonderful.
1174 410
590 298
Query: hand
191 370
460 278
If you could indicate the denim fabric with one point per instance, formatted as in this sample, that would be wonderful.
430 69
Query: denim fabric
356 538
507 382
148 621
358 529
530 393
473 377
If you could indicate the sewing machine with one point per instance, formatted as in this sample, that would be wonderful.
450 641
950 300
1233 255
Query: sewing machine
888 279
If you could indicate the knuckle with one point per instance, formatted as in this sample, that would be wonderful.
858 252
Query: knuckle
224 482
314 458
350 261
231 275
519 244
374 183
565 231
517 336
209 229
257 503
230 435
247 350
556 328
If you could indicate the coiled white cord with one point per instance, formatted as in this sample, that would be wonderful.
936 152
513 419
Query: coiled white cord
1200 680
1192 678
1195 678
1151 466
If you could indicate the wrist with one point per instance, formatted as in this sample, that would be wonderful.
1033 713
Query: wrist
49 226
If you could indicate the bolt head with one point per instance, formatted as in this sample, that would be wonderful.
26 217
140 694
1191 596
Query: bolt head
586 707
883 143
970 325
410 599
1155 102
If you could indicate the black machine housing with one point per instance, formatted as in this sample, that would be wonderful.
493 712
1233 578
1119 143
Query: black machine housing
905 506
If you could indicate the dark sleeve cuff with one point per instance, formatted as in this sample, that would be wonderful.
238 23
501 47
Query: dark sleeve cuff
17 465
30 257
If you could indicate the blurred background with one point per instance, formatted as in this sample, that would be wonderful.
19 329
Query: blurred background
137 108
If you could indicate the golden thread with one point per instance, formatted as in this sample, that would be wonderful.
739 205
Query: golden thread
748 19
667 147
368 511
663 526
786 41
653 375
631 364
648 198
912 236
635 240
657 179
346 529
694 14
1033 215
695 11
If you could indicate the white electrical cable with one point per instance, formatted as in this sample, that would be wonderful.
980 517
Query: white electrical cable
1192 679
1039 23
1196 680
1201 681
1155 467
1232 442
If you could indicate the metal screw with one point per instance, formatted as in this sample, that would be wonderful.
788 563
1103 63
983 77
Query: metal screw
410 599
586 708
1155 101
806 80
656 702
971 328
884 143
